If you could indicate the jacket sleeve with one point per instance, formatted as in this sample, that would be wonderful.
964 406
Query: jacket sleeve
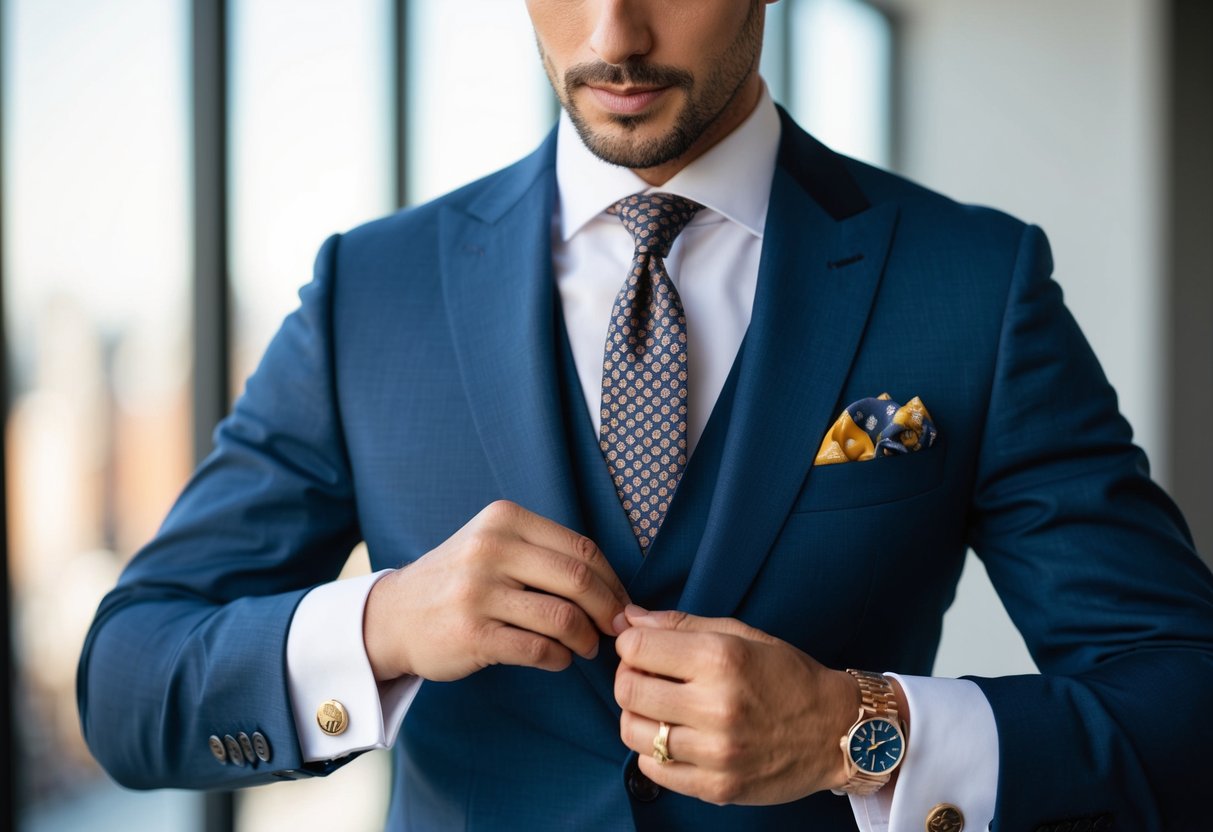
191 643
1097 569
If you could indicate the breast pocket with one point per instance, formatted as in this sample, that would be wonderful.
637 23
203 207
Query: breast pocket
881 480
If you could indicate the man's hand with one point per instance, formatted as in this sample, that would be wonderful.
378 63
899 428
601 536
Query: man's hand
510 587
754 720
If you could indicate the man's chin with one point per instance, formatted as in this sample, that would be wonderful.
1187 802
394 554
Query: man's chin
631 141
633 149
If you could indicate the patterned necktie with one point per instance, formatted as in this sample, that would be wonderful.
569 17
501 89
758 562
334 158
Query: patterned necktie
644 370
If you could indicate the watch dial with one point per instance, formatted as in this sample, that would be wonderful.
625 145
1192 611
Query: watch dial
876 746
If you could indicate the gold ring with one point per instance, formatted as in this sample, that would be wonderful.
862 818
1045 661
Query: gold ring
661 743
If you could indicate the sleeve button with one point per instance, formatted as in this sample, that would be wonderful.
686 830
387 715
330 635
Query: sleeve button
218 750
246 745
233 750
261 747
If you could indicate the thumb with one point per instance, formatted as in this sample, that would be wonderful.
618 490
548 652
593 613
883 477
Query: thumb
687 623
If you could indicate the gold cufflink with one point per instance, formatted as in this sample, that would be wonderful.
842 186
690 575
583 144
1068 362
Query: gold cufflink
332 717
944 817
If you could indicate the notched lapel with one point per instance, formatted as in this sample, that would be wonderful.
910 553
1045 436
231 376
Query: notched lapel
816 285
500 301
499 291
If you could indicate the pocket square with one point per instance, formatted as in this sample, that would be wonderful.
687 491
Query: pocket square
877 427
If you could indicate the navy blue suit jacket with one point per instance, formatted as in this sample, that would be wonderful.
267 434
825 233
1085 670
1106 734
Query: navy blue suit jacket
417 382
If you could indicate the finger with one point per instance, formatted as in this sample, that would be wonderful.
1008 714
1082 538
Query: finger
558 618
685 622
659 699
684 743
548 534
679 655
568 577
544 532
710 786
504 644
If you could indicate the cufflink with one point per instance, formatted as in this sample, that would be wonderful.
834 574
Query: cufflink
332 717
944 817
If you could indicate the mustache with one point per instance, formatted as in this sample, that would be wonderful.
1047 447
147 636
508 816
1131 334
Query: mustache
630 73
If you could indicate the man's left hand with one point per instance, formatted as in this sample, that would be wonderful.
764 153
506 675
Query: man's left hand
754 720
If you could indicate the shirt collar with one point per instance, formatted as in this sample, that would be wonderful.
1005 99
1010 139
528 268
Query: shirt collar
733 178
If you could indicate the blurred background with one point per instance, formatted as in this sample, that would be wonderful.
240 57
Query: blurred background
168 169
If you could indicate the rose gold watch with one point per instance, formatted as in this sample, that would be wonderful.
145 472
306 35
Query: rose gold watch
875 745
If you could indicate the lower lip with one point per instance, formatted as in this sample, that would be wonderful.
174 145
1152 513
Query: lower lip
627 104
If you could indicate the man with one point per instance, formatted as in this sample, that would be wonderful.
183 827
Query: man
726 462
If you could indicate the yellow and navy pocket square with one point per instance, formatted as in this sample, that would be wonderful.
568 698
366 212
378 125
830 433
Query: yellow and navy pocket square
876 427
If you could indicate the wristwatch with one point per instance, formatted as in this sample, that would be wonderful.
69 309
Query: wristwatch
876 744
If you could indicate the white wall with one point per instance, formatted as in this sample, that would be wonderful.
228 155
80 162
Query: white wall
1050 110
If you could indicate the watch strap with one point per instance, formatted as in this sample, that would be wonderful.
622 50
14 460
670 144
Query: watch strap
876 695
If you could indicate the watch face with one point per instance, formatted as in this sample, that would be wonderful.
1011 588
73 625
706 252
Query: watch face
876 746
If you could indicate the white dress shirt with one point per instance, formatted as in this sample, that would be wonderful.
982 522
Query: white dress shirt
952 754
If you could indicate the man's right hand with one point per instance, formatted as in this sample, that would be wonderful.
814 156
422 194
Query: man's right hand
510 587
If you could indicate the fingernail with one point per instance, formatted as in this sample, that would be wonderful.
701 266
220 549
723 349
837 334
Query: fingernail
620 623
593 652
635 611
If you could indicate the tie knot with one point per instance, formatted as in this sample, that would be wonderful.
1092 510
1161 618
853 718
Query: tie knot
654 220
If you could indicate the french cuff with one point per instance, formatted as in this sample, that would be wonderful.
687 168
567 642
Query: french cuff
326 662
951 760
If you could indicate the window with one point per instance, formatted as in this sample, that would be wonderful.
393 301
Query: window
97 274
96 243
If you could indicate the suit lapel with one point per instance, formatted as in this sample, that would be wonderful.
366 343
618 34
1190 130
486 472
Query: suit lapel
500 299
499 291
823 255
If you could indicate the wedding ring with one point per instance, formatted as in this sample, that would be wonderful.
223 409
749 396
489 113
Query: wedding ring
661 744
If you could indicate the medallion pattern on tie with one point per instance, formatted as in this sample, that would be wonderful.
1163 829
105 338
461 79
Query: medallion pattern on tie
644 370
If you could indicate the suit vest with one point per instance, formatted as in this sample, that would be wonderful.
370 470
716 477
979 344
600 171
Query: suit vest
547 745
655 581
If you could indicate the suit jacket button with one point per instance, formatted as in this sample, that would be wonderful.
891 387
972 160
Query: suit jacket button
246 745
233 750
261 747
332 717
639 785
218 750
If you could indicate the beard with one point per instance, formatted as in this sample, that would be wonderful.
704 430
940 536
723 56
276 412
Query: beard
704 99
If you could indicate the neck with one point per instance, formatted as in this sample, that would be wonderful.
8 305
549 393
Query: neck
734 113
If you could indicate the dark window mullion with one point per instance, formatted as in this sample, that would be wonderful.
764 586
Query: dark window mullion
786 60
208 31
399 87
210 169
